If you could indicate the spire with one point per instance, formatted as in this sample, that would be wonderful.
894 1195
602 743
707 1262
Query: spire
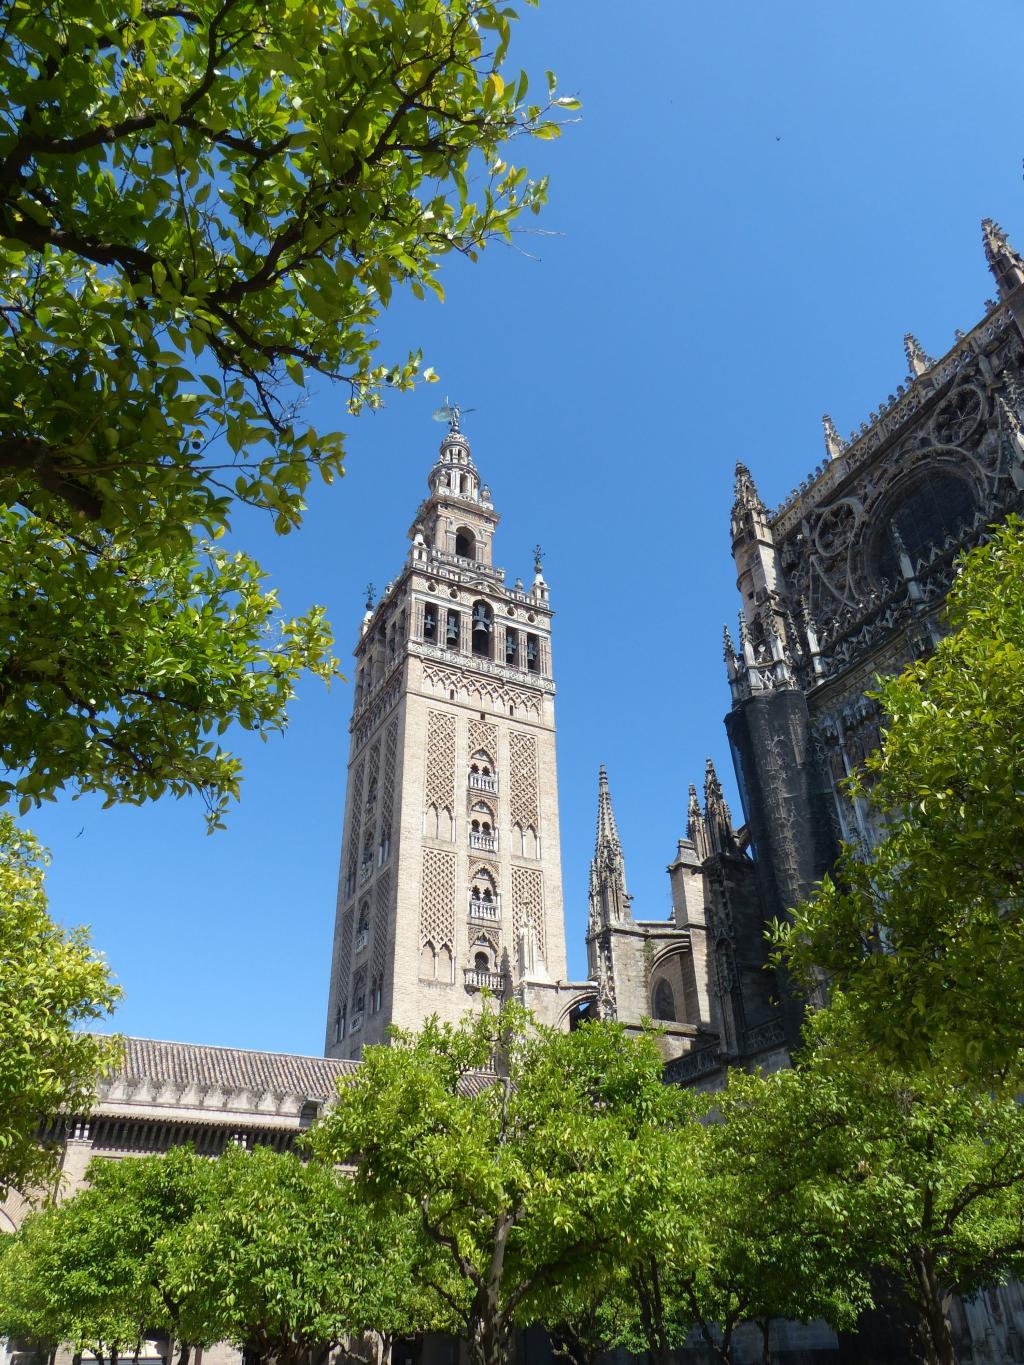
834 443
609 899
1006 264
918 359
607 832
745 490
694 819
721 837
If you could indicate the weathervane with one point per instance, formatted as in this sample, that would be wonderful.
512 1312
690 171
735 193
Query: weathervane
538 558
370 590
452 414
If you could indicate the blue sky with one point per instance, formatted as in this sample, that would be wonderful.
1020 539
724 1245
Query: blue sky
757 202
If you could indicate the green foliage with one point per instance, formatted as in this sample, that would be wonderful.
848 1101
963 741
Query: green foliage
202 207
284 1260
50 983
91 1272
523 1180
926 936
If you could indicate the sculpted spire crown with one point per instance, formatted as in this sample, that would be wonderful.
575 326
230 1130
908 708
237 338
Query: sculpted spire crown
834 443
918 359
746 496
609 899
694 818
721 836
1006 264
607 831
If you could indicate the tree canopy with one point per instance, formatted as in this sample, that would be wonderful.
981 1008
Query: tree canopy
201 207
523 1178
925 936
51 982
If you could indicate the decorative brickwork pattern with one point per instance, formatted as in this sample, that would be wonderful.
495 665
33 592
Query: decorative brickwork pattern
381 924
390 751
441 759
483 735
479 691
355 826
437 899
345 954
522 783
528 902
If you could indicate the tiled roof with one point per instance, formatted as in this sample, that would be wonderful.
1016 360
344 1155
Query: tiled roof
147 1059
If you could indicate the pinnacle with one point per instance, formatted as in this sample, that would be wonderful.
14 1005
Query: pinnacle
834 443
917 358
745 490
607 831
1005 264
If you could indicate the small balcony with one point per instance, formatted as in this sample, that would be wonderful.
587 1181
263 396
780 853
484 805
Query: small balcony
479 782
357 1023
484 909
488 843
365 872
476 980
362 939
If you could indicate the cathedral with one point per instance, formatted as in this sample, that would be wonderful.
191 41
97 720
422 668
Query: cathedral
450 885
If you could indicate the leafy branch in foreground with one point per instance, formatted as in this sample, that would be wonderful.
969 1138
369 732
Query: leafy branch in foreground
50 983
200 206
925 935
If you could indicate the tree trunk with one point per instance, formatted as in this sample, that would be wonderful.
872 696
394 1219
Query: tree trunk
930 1300
766 1340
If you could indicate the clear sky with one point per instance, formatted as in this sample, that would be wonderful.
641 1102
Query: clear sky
758 201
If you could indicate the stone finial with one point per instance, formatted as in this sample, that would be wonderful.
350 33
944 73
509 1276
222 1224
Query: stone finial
918 359
694 818
1005 264
834 443
728 648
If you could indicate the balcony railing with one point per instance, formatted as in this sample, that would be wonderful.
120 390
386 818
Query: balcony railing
488 842
477 980
365 872
481 783
362 939
357 1023
484 909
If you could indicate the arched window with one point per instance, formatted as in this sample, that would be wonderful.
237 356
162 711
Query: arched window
339 1023
937 505
359 992
363 924
384 847
483 625
445 965
465 543
532 654
481 962
376 993
453 631
664 1001
512 648
428 962
430 622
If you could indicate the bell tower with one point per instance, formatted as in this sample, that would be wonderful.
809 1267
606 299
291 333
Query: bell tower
450 883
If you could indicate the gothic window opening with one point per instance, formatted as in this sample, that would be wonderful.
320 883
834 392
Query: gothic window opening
430 622
465 543
384 847
481 962
583 1013
376 993
664 1001
453 630
445 966
428 962
512 648
339 1023
532 654
483 625
939 504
